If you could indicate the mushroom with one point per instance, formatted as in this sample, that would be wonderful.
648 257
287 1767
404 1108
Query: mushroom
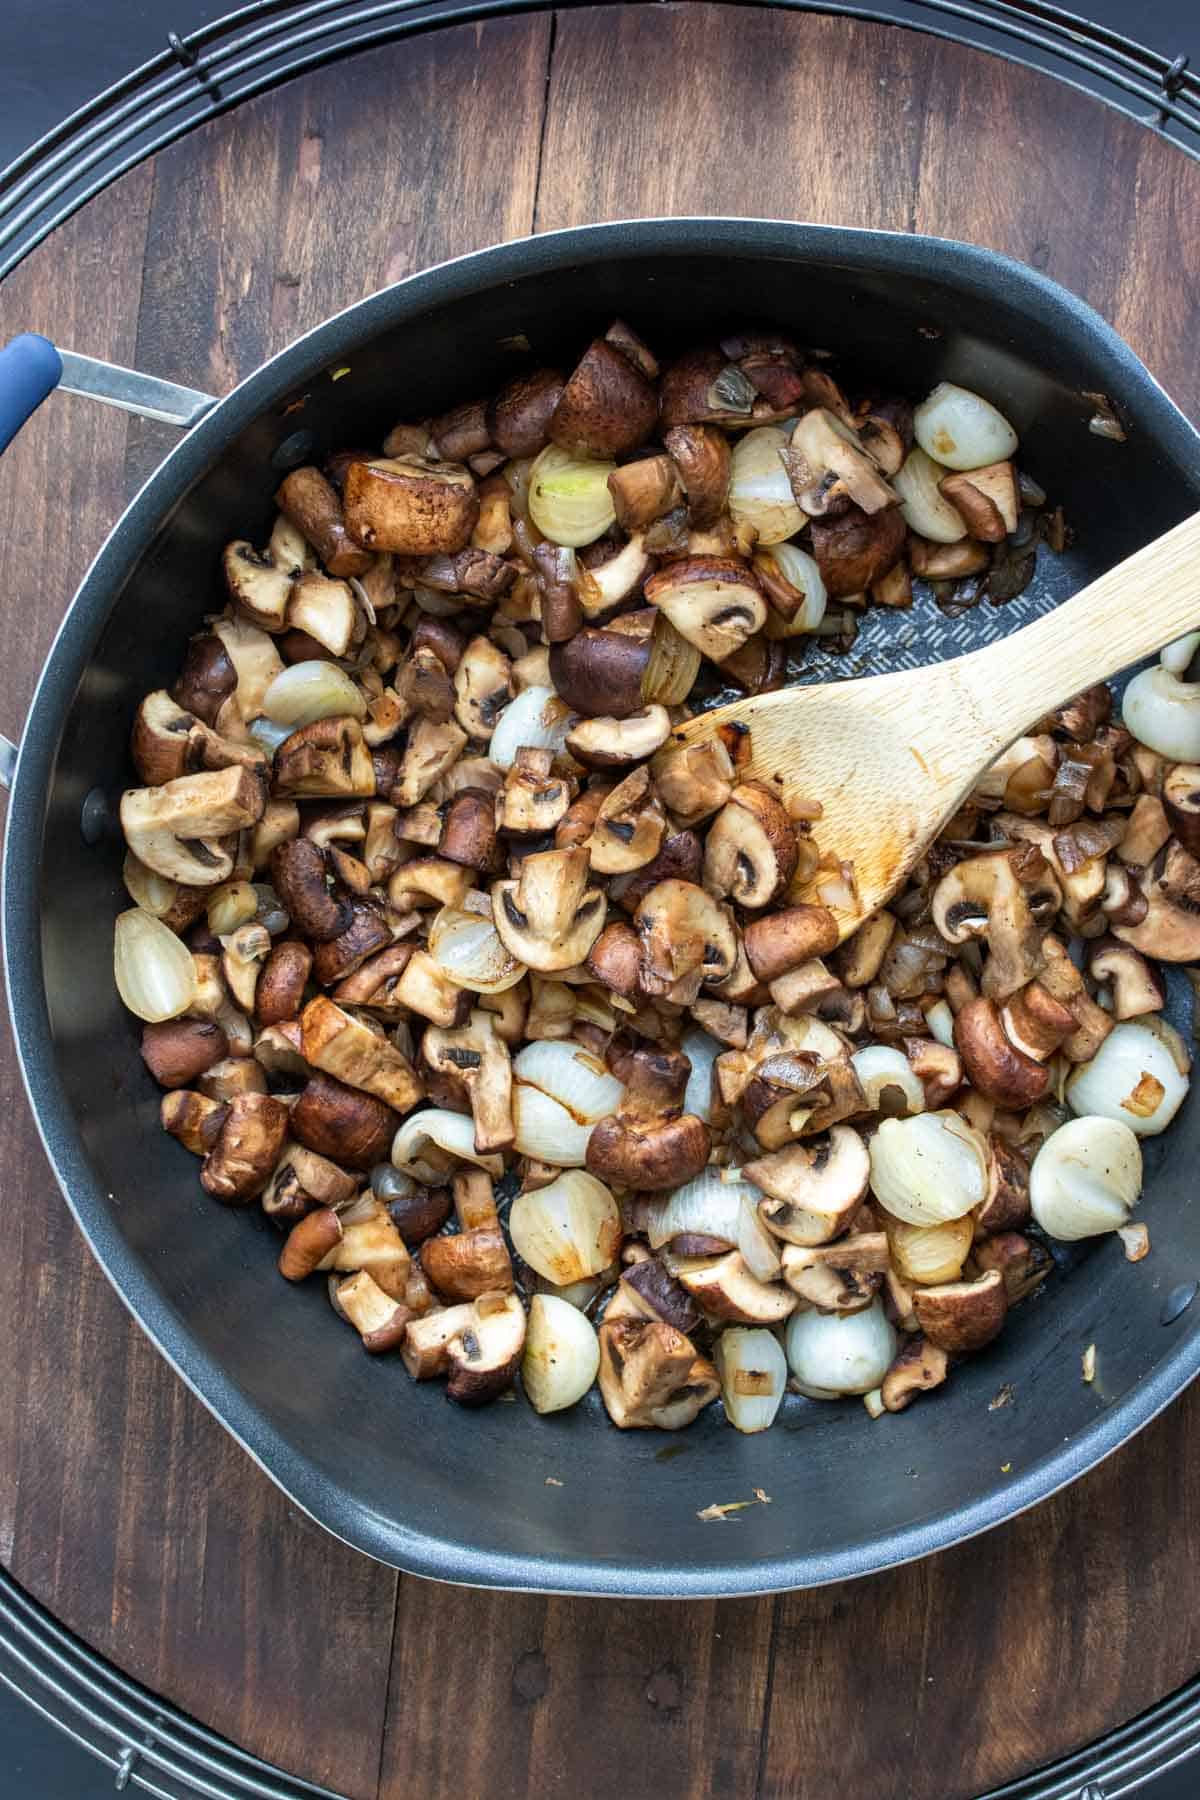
518 417
813 1189
615 959
648 1290
601 672
475 1259
713 602
993 1063
842 1277
548 918
860 958
962 1316
299 874
1023 1263
312 504
1007 1200
423 987
426 1348
644 490
687 939
607 406
750 853
380 1321
343 1123
366 933
308 1243
1035 1022
992 896
609 743
1147 831
475 1055
1135 983
410 504
168 742
193 1119
783 940
1170 928
629 827
373 983
282 981
428 881
725 1289
694 780
919 1367
302 1181
260 589
429 753
178 1050
482 687
327 759
244 952
945 562
534 800
358 1054
827 465
467 834
256 662
369 1240
180 830
649 1142
422 685
703 458
240 1163
485 1354
937 1066
856 549
728 1024
279 823
1181 810
651 1377
207 679
680 858
325 611
277 1050
986 499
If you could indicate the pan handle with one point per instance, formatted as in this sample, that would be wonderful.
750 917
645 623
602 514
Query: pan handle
31 367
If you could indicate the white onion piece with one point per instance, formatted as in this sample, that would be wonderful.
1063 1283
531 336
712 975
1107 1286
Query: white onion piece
962 430
536 720
572 1076
307 691
1177 656
930 1254
232 904
760 492
546 1130
710 1207
268 736
887 1080
832 1354
702 1052
466 947
940 1020
1086 1179
753 1371
1134 1077
568 1230
925 510
1164 713
451 1132
928 1169
149 890
569 501
800 570
562 1354
153 969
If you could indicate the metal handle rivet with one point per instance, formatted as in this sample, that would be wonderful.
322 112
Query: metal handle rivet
1177 1302
94 816
293 451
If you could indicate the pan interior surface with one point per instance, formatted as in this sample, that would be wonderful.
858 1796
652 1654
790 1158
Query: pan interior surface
504 1497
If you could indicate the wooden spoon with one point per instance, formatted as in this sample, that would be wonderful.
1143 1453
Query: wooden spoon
891 758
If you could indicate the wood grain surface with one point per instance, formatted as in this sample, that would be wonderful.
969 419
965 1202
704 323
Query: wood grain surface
123 1506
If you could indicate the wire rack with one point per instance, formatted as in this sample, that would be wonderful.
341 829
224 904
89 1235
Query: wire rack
194 78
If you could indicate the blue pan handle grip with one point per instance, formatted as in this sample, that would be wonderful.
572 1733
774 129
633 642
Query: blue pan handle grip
30 368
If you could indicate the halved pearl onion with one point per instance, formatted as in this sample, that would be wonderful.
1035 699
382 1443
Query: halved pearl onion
962 430
535 720
702 1052
754 1372
152 892
562 1354
760 491
930 1168
1176 657
232 904
940 1020
926 510
559 1093
800 571
153 969
567 1230
710 1207
307 691
546 1130
832 1354
887 1080
1086 1179
1164 713
466 947
1138 1076
569 499
451 1132
929 1254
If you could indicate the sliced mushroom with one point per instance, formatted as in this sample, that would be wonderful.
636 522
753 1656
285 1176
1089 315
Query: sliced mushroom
813 1189
694 780
193 1119
856 549
703 458
986 499
1007 1200
648 1290
180 830
423 686
426 1347
1036 1023
302 1181
312 504
963 1315
783 940
843 1277
1022 1263
994 1065
482 687
725 1289
168 743
366 933
299 873
650 1375
549 918
338 1044
475 1055
919 1367
615 959
1170 928
687 939
325 611
343 1123
715 603
257 586
410 504
629 827
828 465
750 853
467 834
429 753
380 1321
325 760
423 987
649 1142
1181 811
518 418
308 1243
240 1163
369 1240
993 895
374 982
208 678
535 800
1135 984
609 743
244 952
484 1355
607 405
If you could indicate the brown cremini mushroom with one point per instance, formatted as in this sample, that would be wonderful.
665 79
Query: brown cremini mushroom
724 1288
629 827
750 852
343 1123
782 940
300 1181
168 742
475 1260
687 939
715 603
649 1142
475 1056
327 759
703 458
644 490
812 1189
300 876
518 418
308 1243
607 405
207 678
920 1366
312 504
193 1118
379 1320
840 1278
281 984
182 829
992 1061
1134 983
610 743
549 917
357 1054
856 549
179 1050
240 1163
410 504
651 1377
963 1315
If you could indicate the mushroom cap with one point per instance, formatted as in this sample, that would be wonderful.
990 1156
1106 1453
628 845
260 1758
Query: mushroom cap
687 939
177 829
606 407
725 1289
750 852
715 603
842 1277
828 465
484 1355
168 742
629 827
518 417
342 1123
299 874
856 549
962 1315
328 759
611 743
176 1051
482 687
703 457
704 387
256 585
549 918
1136 985
813 1189
1181 804
241 1161
469 1263
207 678
782 940
994 1065
650 1375
921 1365
1170 929
410 504
600 673
644 490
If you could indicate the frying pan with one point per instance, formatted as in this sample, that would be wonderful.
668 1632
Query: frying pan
504 1498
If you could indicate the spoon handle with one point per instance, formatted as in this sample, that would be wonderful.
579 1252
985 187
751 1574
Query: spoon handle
1137 607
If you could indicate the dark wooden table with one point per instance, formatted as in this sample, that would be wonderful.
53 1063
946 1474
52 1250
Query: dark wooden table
123 1506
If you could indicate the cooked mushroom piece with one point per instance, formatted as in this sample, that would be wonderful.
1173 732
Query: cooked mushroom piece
308 1243
358 1054
919 1367
650 1375
828 465
725 1289
168 743
842 1277
430 751
856 549
366 933
346 1125
475 1259
993 896
410 504
813 1189
240 1163
1135 985
648 1290
325 611
300 875
179 1050
312 504
986 499
703 458
1022 1263
644 490
609 743
993 1063
534 800
629 827
181 830
649 1142
482 687
715 603
380 1321
302 1181
257 586
193 1119
600 673
208 678
325 760
518 418
1007 1201
783 940
963 1315
475 1055
484 1355
750 853
615 959
549 917
694 780
607 405
1169 930
687 940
